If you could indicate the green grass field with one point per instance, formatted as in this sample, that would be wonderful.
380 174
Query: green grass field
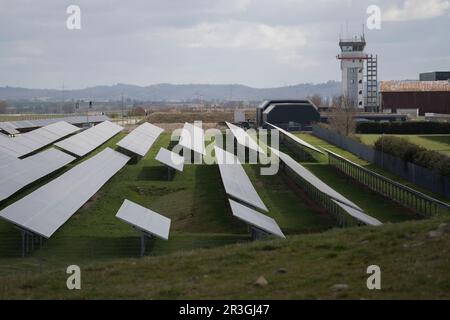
436 142
195 200
413 266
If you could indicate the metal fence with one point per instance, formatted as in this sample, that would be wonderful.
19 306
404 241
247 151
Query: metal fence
423 177
418 202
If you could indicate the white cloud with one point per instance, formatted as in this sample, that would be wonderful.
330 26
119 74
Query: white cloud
285 42
417 10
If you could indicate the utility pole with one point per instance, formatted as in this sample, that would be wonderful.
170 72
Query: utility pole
122 108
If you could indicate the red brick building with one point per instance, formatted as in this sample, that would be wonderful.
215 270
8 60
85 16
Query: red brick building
427 96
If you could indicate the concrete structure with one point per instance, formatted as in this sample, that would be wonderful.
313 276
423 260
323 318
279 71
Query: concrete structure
287 114
427 96
358 93
435 76
352 66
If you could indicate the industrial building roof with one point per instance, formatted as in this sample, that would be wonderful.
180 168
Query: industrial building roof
266 103
414 86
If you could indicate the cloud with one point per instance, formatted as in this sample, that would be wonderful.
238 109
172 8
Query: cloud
417 10
285 42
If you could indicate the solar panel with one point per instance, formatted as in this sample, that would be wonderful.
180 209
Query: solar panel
46 209
75 120
141 139
243 138
90 139
256 219
9 128
144 219
312 179
29 142
193 138
15 174
358 215
170 159
235 180
296 139
6 158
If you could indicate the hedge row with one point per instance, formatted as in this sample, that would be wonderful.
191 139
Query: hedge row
412 127
411 152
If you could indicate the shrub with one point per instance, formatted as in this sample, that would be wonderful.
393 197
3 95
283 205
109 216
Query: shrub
413 153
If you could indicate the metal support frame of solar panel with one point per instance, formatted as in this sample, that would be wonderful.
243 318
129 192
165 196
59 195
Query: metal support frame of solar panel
141 139
236 182
90 139
301 142
322 187
16 174
244 139
28 124
193 138
256 219
31 141
45 210
148 222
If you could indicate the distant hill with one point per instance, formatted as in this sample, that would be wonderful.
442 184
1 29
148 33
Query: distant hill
173 92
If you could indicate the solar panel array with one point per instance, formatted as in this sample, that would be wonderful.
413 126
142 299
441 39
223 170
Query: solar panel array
46 209
29 142
141 139
193 137
144 219
90 139
347 205
243 138
15 174
256 219
296 139
235 180
170 159
9 128
27 124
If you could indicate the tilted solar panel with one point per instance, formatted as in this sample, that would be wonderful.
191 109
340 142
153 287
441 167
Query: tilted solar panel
16 174
90 139
296 139
243 138
256 219
46 209
170 159
144 219
32 141
141 139
236 182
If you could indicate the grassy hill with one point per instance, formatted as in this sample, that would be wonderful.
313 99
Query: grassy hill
413 264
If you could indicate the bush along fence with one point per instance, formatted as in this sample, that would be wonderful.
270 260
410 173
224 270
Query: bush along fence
423 177
420 203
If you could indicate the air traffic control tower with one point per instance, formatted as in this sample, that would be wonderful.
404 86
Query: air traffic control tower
356 66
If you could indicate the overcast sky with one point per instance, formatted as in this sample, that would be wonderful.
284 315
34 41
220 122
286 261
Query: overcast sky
261 43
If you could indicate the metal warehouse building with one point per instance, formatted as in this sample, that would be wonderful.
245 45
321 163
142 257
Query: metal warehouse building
427 96
287 114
